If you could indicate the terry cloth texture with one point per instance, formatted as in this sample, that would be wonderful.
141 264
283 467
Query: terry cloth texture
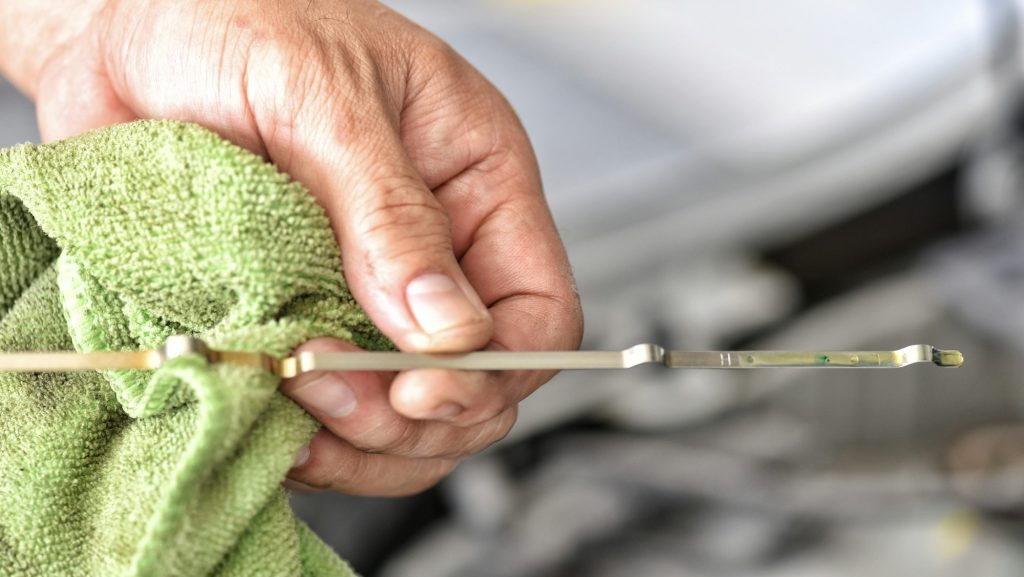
114 241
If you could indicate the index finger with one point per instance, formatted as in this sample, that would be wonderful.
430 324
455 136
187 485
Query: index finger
527 286
510 251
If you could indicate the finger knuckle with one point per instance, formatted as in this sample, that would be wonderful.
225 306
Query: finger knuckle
326 474
307 79
489 433
438 445
570 312
402 438
489 408
315 479
421 440
411 218
352 473
436 57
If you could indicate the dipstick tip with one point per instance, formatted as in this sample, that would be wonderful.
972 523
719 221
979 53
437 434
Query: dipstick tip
948 358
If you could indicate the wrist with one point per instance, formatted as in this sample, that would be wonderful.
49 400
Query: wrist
34 32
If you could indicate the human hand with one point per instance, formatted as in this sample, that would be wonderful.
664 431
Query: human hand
423 168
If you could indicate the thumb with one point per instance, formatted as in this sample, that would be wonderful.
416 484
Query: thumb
396 243
75 96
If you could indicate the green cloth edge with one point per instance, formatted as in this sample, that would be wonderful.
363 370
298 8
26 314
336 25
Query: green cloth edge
113 241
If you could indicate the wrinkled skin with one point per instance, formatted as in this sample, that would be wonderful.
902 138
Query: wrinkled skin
428 178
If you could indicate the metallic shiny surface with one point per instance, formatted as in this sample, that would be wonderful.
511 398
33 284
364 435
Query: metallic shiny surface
479 361
68 362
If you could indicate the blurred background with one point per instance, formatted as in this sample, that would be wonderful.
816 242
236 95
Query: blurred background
793 174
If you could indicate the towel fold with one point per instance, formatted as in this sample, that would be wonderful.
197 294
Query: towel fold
116 240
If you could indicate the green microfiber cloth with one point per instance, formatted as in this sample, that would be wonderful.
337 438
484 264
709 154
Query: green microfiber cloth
114 241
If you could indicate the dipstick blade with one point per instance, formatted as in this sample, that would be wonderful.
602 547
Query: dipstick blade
479 361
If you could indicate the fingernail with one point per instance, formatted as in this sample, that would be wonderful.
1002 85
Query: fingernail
301 458
446 411
439 304
328 394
